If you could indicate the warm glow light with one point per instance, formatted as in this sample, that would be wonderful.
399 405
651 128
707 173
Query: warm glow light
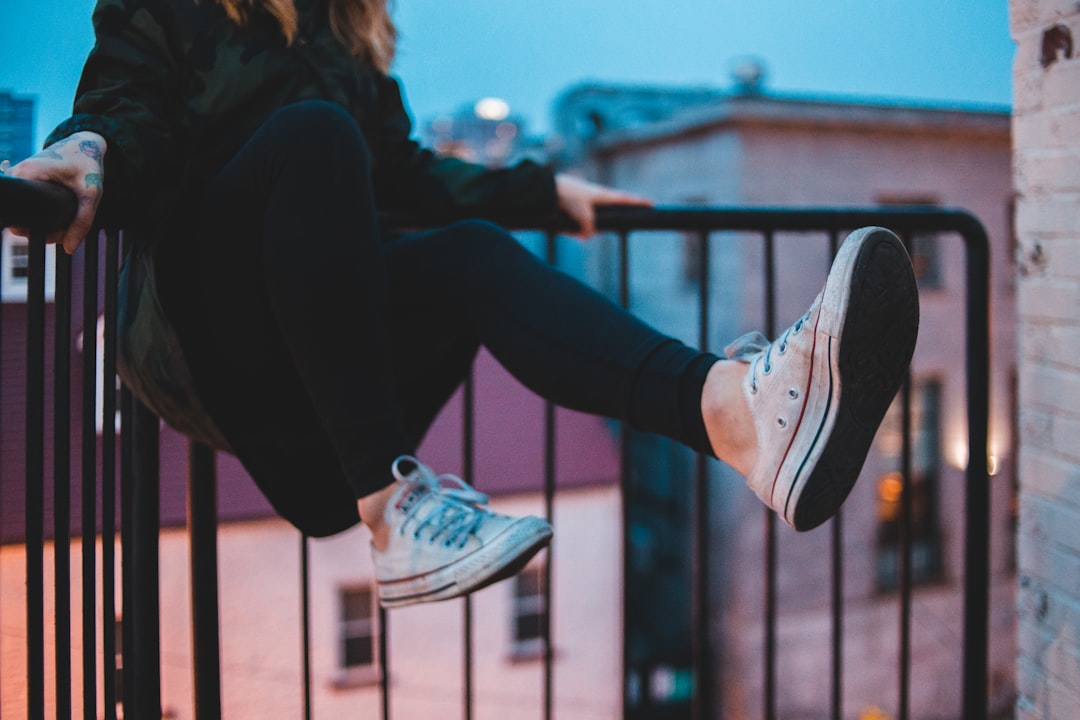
492 109
958 453
890 487
992 464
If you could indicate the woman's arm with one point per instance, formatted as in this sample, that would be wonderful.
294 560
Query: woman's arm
412 178
124 104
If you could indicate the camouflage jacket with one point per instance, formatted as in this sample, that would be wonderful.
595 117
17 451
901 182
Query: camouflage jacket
176 88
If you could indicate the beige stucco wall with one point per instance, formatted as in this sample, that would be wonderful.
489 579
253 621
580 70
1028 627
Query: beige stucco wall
1047 163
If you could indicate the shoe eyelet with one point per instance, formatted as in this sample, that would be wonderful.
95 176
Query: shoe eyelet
781 422
793 393
753 388
782 348
767 369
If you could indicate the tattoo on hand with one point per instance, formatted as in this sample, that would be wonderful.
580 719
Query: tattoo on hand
93 180
91 149
49 152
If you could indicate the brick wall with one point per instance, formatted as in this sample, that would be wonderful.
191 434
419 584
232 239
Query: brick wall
1046 129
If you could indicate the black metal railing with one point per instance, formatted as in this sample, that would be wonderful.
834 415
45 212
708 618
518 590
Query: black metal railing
42 208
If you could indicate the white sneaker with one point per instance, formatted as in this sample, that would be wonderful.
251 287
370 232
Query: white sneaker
819 392
444 542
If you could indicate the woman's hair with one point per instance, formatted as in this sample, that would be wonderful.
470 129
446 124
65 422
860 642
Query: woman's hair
362 26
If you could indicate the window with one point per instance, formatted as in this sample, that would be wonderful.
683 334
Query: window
357 636
926 260
15 268
118 675
923 246
924 536
529 613
693 248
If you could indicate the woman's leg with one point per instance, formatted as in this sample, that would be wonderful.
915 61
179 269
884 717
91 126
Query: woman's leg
795 416
296 205
475 283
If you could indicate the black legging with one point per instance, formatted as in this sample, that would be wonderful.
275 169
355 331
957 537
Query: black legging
304 322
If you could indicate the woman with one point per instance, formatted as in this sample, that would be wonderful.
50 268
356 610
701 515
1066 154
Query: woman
252 143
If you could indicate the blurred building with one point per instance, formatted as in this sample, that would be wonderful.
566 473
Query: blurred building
486 133
16 127
685 146
750 148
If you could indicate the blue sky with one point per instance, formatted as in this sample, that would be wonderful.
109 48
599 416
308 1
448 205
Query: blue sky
453 52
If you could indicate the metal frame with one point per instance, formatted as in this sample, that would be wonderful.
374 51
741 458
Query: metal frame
44 208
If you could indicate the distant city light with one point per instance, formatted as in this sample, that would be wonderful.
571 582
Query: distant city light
492 109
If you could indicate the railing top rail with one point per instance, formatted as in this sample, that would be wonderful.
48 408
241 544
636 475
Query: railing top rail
44 206
38 205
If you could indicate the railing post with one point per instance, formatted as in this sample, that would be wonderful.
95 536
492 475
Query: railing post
62 483
89 473
202 535
977 552
35 480
142 668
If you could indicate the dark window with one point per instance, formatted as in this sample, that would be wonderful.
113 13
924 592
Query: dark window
529 609
357 629
20 260
923 246
923 532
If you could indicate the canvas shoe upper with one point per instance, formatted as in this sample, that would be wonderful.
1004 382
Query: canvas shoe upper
444 541
818 393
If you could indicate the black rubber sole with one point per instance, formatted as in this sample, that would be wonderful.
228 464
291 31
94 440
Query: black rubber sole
879 333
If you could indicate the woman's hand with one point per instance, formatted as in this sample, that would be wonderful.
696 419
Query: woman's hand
579 199
78 163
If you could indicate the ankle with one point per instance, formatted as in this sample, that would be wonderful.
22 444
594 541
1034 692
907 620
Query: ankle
372 509
728 421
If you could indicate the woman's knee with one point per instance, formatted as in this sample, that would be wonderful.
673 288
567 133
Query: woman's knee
482 238
319 131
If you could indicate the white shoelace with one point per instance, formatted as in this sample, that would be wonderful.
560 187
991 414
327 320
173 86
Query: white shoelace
755 348
458 510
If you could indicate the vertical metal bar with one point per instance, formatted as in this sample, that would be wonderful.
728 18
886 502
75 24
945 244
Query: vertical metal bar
837 579
702 705
2 375
904 550
62 481
143 615
977 555
904 541
625 485
770 516
468 441
108 480
127 583
384 662
202 534
35 479
549 514
89 475
305 621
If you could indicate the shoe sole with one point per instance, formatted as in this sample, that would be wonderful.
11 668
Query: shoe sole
875 328
501 557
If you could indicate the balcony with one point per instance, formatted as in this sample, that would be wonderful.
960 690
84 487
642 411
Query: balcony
893 595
